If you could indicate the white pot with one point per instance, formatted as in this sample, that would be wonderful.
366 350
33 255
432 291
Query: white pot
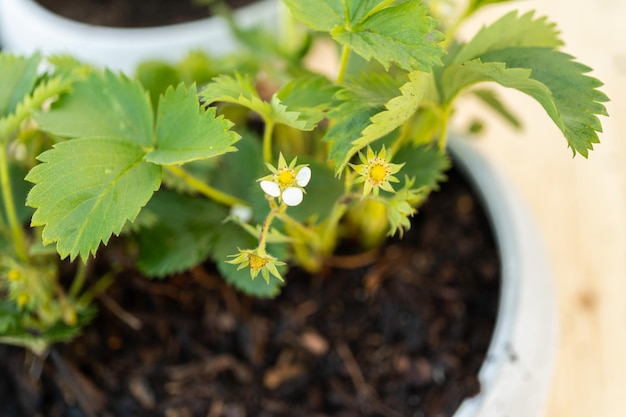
517 372
26 27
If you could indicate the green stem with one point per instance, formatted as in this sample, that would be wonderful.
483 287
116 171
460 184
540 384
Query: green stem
343 64
203 188
79 280
265 229
329 236
97 288
267 140
9 206
443 132
287 219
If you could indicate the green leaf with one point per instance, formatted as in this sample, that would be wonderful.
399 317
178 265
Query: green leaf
237 173
18 76
426 164
185 132
102 105
9 316
391 32
279 113
239 90
519 52
183 236
401 205
475 5
16 328
397 111
324 15
156 77
511 30
321 15
358 101
86 189
20 190
322 192
402 34
235 89
310 97
576 99
490 98
462 75
380 122
231 238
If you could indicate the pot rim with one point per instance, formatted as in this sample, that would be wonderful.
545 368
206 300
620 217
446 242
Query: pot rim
516 374
79 28
27 27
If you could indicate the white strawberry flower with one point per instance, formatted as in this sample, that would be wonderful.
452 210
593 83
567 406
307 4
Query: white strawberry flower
286 182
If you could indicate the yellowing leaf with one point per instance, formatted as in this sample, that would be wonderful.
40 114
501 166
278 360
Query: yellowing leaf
397 111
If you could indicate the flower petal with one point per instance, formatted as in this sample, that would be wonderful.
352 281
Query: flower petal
243 213
292 196
270 188
303 177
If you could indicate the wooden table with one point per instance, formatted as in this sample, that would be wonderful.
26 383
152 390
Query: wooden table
580 207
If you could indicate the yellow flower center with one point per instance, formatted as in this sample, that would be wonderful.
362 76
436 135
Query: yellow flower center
14 275
256 262
286 178
22 299
377 174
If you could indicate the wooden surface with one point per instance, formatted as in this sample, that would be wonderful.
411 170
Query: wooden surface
579 206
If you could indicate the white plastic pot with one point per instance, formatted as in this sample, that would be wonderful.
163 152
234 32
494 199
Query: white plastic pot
26 27
517 372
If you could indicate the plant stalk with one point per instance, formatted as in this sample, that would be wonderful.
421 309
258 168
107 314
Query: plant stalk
267 140
443 133
9 206
205 189
343 64
265 229
79 280
328 236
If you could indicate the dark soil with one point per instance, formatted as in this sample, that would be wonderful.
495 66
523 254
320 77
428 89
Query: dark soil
133 13
402 336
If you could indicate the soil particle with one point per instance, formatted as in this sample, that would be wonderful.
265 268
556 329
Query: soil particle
402 336
133 13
